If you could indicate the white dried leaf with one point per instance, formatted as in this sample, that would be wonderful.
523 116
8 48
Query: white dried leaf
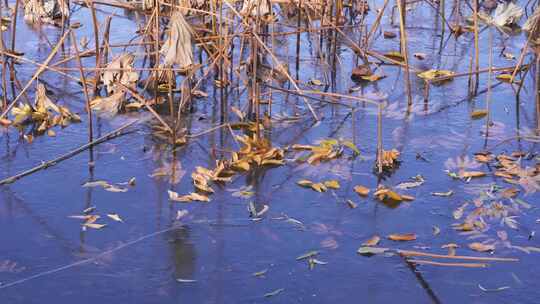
178 48
255 8
507 13
120 70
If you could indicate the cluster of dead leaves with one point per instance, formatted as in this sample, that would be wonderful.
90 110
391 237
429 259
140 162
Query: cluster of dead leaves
44 114
497 204
255 152
511 170
321 186
118 187
389 159
327 149
90 220
385 194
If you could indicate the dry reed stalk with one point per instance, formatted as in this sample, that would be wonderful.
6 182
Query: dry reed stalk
379 138
376 24
404 49
4 67
14 26
433 263
474 87
90 5
490 72
537 92
277 62
534 32
48 67
85 89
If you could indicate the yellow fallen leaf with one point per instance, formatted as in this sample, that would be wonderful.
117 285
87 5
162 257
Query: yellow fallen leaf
332 184
504 77
373 241
273 162
361 190
481 247
431 75
407 198
301 147
241 165
482 158
394 195
198 197
477 114
319 187
468 174
373 77
395 56
402 237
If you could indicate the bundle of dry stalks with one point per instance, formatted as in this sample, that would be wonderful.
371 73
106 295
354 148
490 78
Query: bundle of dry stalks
532 24
255 8
36 11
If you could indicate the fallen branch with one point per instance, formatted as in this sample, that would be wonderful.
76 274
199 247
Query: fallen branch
113 134
410 253
466 265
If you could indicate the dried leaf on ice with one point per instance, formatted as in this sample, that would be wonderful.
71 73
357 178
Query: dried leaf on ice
361 190
351 204
458 213
432 75
115 217
506 14
480 247
477 114
451 248
307 255
260 273
371 250
114 188
436 230
418 181
332 184
467 174
274 293
443 194
108 106
94 225
373 241
402 237
99 183
389 159
255 8
173 196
